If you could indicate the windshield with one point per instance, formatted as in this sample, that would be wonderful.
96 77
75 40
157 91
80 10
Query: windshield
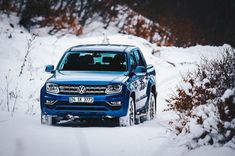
94 61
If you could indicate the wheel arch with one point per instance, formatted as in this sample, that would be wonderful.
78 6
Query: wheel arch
154 91
132 95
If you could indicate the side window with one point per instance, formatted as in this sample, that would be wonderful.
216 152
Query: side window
139 58
132 60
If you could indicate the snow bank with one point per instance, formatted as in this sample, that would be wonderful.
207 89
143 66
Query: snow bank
204 104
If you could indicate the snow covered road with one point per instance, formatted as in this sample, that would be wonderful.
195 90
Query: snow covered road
23 135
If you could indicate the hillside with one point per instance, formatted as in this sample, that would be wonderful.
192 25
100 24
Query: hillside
21 132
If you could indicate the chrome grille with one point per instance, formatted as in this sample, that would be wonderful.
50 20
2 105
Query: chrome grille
74 89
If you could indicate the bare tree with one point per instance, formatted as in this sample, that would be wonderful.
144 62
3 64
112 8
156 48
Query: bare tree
14 95
7 93
28 49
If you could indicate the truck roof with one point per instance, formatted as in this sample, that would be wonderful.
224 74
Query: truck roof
103 47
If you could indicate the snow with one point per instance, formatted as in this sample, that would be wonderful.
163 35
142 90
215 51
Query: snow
227 94
212 151
186 86
21 132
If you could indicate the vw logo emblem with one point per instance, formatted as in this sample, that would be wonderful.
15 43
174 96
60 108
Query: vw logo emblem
81 89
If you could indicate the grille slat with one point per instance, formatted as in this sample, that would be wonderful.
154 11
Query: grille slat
74 89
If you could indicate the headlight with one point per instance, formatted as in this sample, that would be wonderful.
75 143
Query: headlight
113 89
52 88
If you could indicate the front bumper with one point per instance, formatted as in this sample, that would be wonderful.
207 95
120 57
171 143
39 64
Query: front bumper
100 108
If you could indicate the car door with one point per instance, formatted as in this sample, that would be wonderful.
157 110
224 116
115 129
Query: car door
138 81
143 79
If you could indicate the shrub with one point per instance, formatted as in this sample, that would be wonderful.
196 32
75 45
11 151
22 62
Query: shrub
70 15
205 103
138 25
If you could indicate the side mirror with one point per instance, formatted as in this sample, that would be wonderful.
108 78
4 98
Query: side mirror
50 69
140 71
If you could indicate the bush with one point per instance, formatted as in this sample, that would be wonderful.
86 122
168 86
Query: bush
138 25
70 15
56 14
205 103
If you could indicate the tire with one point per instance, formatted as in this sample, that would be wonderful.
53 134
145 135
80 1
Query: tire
151 110
48 120
129 119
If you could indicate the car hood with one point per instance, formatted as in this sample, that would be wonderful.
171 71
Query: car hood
91 77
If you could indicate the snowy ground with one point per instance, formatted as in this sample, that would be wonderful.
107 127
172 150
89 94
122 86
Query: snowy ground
21 133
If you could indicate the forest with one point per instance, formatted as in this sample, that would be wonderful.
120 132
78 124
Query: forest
176 22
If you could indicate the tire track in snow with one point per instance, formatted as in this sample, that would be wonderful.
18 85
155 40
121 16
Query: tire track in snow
82 141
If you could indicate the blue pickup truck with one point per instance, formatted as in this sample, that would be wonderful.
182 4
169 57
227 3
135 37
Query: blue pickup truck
100 81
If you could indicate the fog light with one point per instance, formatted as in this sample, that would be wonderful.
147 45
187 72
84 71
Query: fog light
115 103
50 102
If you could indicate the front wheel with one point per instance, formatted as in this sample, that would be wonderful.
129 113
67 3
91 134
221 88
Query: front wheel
151 111
129 119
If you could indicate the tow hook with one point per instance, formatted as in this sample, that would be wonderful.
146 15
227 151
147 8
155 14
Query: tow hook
71 117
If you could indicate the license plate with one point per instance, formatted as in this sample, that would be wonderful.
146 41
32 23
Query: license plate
81 100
